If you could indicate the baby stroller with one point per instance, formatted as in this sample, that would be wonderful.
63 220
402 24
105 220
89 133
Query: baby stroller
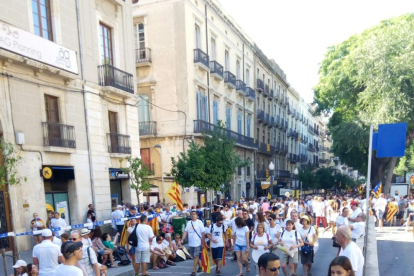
121 255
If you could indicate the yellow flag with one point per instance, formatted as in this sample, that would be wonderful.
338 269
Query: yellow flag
269 196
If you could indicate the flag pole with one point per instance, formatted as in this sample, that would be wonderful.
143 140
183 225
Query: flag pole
368 187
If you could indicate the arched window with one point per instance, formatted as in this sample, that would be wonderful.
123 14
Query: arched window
144 109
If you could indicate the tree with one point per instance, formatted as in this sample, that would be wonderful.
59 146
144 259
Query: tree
308 178
138 175
8 165
209 166
325 179
368 79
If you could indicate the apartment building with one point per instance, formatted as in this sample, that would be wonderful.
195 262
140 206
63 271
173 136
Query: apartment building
71 112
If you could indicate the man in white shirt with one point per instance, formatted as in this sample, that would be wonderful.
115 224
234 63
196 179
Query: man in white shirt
145 235
167 216
72 252
58 222
319 209
355 211
343 218
380 206
215 234
47 255
196 236
117 215
350 249
239 213
358 227
227 214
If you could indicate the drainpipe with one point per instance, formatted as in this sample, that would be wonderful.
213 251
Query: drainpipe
88 142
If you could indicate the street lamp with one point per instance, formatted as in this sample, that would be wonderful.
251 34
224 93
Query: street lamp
271 170
296 172
158 146
405 174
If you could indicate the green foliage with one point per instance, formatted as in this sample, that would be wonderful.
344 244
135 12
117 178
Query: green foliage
406 162
208 167
325 178
308 178
138 174
368 79
8 165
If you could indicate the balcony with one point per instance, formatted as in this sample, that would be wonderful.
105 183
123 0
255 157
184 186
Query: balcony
230 80
58 135
240 87
289 110
303 158
272 121
110 76
147 128
277 96
266 149
278 148
282 174
293 113
266 90
293 158
201 59
262 174
277 121
260 115
311 130
260 85
270 95
325 149
216 70
250 93
143 57
266 119
118 143
205 127
311 147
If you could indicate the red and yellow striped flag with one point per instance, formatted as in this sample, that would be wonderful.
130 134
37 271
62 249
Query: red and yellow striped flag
205 260
392 209
124 240
154 225
174 193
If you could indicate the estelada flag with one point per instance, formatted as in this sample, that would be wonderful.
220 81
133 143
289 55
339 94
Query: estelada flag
154 225
392 209
123 240
174 193
377 190
205 260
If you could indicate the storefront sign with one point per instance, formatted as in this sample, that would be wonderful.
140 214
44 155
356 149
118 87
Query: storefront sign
47 173
115 174
37 48
57 173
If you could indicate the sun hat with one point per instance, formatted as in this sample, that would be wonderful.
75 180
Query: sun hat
85 231
67 248
119 206
19 263
46 233
306 217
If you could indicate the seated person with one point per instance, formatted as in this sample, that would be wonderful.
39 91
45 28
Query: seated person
177 245
168 247
106 241
157 253
102 250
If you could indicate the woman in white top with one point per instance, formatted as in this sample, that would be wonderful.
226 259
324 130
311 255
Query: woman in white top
241 244
309 237
290 209
262 239
291 240
274 231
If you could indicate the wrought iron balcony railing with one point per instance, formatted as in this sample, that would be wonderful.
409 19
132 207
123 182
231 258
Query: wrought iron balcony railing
230 78
216 68
58 135
142 55
260 85
147 128
201 57
250 93
110 76
118 143
240 86
260 115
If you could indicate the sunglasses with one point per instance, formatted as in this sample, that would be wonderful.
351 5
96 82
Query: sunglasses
72 239
274 269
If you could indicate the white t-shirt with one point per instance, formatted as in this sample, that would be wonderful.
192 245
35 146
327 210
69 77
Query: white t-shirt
381 204
289 239
68 270
261 241
273 232
88 220
157 245
359 228
307 233
167 216
144 234
60 222
341 221
240 234
227 216
195 230
318 208
355 213
216 234
48 254
354 254
118 214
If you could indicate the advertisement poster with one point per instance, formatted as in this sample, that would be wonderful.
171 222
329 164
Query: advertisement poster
114 200
62 208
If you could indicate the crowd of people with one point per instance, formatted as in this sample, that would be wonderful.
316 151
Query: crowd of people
284 229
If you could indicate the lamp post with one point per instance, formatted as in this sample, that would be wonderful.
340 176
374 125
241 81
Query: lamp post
296 173
158 146
271 170
405 174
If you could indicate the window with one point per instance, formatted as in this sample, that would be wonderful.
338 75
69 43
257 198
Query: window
105 40
248 122
268 138
41 18
248 171
226 60
239 123
202 105
197 37
139 40
144 109
113 122
263 137
215 112
238 70
247 77
228 117
239 170
146 158
52 109
213 49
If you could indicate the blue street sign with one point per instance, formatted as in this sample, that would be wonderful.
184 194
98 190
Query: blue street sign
390 140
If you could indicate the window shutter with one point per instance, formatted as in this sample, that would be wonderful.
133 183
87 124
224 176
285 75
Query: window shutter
206 108
199 106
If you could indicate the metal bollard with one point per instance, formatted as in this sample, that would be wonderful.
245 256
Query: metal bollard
3 254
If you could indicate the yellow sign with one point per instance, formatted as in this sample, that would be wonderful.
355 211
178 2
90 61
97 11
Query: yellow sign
47 173
268 147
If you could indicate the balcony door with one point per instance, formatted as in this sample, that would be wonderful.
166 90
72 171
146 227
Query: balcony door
139 40
105 40
113 130
52 117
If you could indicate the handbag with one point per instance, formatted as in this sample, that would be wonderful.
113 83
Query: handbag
307 249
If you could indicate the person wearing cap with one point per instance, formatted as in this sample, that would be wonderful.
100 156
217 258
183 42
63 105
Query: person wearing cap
117 215
21 268
89 261
47 255
309 237
85 234
72 252
355 211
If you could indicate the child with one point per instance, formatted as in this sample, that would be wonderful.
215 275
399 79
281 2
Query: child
207 227
106 241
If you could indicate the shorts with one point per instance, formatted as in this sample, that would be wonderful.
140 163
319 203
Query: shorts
306 258
400 215
195 251
142 256
217 253
287 259
240 247
380 214
132 251
101 252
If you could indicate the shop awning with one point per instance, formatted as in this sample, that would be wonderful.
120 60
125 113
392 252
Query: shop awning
57 173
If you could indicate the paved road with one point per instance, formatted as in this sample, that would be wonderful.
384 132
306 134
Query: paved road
395 252
322 259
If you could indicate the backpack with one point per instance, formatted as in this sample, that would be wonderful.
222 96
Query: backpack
162 263
133 239
267 235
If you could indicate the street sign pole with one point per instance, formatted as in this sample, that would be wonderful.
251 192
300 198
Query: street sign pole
368 187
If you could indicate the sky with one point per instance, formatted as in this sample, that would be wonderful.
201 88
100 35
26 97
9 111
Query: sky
296 33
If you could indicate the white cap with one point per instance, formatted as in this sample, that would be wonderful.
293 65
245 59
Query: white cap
46 233
20 263
119 206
